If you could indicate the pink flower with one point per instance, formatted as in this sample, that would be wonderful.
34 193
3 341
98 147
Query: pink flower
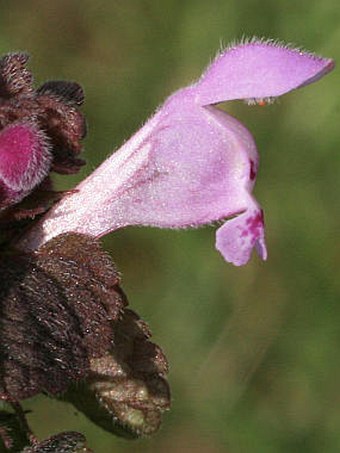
191 164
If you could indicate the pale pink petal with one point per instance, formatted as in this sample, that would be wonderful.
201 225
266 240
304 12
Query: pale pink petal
182 169
258 70
191 164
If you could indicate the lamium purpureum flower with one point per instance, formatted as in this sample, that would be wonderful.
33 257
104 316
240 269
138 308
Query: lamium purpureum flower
191 164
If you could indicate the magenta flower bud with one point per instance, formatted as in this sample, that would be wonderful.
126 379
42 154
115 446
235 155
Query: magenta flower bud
191 164
40 131
25 161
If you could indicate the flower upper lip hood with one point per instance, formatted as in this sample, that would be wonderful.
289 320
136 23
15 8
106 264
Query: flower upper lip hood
191 163
258 70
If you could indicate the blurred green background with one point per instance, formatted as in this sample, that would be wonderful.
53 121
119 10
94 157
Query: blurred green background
254 351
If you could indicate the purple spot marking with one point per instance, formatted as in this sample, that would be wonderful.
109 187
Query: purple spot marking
252 173
254 224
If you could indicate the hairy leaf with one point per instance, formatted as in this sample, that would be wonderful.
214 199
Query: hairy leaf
57 306
126 391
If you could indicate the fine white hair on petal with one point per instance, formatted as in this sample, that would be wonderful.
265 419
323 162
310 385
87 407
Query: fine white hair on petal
243 41
273 42
248 40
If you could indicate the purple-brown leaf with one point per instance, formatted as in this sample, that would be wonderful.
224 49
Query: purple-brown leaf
57 308
126 391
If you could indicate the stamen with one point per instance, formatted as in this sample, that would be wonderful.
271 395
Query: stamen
262 102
